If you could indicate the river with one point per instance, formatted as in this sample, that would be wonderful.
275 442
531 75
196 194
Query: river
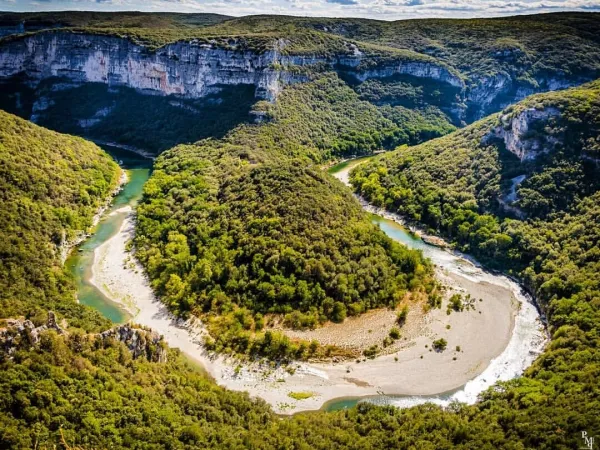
528 334
499 339
80 261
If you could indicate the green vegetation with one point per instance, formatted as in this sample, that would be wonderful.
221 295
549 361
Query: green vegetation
439 345
97 396
51 187
97 19
213 208
455 303
301 395
250 225
526 51
402 315
156 123
452 184
429 97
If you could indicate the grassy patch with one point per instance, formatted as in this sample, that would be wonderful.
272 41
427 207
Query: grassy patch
301 395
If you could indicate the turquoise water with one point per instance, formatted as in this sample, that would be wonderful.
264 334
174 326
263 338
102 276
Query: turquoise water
401 234
350 162
79 263
404 236
383 400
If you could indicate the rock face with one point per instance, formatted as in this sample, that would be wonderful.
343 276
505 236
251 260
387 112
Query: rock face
141 343
20 333
494 93
23 332
195 69
417 69
516 132
188 69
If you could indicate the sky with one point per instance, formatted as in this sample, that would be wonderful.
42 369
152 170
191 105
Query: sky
375 9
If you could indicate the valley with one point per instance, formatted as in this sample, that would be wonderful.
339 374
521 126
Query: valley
243 277
498 338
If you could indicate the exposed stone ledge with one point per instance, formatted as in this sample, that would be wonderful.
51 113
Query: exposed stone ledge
22 333
141 343
187 69
515 132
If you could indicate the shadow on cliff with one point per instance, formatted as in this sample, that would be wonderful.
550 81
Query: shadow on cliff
125 116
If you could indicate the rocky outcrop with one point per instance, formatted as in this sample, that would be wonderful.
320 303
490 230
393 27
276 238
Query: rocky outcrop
486 91
493 93
197 68
516 132
141 343
21 333
189 69
419 69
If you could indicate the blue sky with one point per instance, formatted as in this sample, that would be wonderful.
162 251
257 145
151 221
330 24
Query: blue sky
377 9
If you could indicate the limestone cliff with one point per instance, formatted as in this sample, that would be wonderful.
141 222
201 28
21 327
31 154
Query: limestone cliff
517 132
493 93
194 69
189 69
141 343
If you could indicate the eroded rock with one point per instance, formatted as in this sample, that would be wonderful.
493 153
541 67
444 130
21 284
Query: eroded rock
140 342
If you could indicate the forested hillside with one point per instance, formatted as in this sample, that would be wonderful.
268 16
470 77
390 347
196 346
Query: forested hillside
245 223
80 391
534 160
250 224
457 185
51 187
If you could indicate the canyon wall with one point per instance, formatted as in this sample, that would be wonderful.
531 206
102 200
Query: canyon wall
517 132
196 69
189 69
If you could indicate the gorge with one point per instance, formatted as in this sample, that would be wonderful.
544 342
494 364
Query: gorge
248 257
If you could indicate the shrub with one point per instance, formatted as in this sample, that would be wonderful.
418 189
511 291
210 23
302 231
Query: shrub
439 345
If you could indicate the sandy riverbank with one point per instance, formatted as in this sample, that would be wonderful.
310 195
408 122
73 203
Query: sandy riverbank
482 334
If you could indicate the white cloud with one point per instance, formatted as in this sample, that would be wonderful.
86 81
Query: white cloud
377 9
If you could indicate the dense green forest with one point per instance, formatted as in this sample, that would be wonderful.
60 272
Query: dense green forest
82 391
247 223
250 225
52 185
453 184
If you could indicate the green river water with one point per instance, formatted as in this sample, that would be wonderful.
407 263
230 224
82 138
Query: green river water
400 234
79 263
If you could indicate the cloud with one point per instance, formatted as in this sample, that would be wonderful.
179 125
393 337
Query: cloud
376 9
343 2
